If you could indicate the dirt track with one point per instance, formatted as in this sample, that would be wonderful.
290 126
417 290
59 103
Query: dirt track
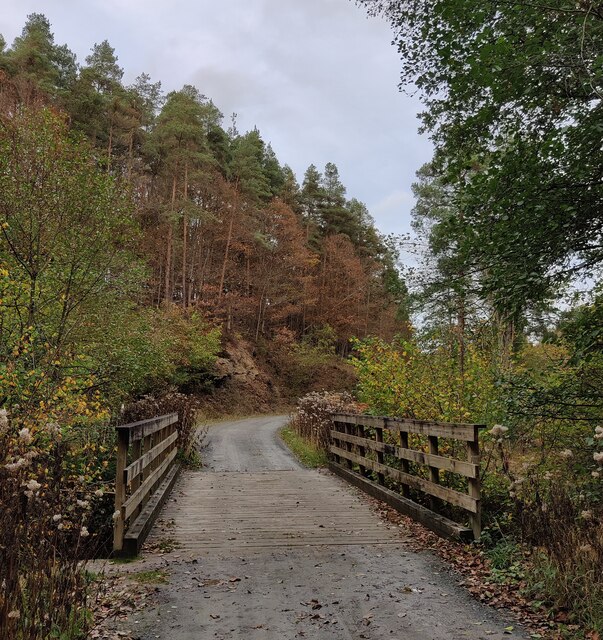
276 552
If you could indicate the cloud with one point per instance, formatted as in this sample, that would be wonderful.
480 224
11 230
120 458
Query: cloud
392 211
317 77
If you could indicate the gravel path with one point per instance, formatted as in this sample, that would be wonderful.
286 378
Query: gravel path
272 551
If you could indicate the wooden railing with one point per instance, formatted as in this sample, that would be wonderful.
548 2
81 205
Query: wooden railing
145 474
358 450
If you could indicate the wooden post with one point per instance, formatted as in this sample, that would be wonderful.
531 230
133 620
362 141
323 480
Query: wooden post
379 437
336 427
361 449
147 445
405 464
434 473
348 445
474 485
136 453
120 489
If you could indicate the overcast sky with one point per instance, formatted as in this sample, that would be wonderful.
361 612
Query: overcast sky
317 77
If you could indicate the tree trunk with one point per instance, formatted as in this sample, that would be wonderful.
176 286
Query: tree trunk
228 241
184 238
167 292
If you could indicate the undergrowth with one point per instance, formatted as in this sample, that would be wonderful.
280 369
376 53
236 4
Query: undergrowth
303 450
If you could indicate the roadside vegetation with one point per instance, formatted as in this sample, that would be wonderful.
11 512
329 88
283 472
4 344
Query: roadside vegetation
309 455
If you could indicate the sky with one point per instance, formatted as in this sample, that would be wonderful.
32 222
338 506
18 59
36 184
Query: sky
317 77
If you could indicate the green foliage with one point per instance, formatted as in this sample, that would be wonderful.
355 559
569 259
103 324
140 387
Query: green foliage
304 450
422 379
188 346
35 58
57 283
155 576
515 133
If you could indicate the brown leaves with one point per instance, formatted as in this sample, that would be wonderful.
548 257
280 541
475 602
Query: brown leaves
471 563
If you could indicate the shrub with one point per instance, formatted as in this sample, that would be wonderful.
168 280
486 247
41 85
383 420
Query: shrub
49 478
312 419
187 408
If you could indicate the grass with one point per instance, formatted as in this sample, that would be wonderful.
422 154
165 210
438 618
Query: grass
124 559
150 577
305 452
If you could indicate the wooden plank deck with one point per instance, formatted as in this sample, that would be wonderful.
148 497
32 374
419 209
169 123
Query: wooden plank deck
232 511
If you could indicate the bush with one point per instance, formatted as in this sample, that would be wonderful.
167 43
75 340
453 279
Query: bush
187 408
309 365
312 419
422 379
49 478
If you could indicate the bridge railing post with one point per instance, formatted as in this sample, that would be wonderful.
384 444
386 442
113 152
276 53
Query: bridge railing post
123 441
475 485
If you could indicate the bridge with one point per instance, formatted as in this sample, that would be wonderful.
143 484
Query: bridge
255 546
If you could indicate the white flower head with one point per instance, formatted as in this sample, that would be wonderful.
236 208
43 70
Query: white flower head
566 454
56 517
14 615
116 515
84 532
599 432
14 466
498 430
82 503
598 457
3 420
53 427
25 436
595 474
586 515
99 493
33 485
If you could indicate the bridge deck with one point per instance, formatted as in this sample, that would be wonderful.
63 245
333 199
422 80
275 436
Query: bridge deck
268 509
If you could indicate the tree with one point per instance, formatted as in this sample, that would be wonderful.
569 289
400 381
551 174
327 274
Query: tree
248 167
179 149
66 234
98 102
512 90
41 66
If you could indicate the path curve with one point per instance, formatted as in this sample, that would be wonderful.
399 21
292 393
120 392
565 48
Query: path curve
247 445
276 552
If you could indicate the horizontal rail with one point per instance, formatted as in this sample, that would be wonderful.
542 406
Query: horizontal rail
449 495
150 448
467 469
359 445
457 431
143 428
129 506
138 466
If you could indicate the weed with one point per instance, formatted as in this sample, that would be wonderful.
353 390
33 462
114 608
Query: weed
150 577
306 452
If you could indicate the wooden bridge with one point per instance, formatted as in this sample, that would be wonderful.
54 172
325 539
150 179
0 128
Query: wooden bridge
287 507
255 546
